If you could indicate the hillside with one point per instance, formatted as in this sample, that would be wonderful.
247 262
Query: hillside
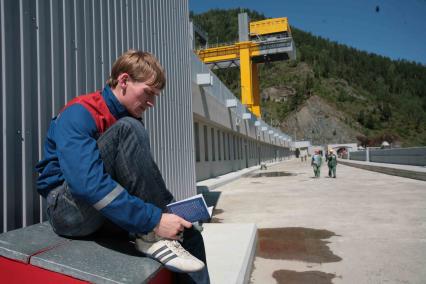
319 122
332 93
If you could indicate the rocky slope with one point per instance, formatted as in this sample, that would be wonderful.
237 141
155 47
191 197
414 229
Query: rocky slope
320 123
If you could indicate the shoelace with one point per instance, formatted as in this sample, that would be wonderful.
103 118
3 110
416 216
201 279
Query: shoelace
179 248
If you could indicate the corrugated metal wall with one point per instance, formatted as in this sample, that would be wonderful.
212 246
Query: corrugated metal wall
54 50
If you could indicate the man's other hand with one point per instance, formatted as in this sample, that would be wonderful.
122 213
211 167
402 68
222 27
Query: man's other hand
171 226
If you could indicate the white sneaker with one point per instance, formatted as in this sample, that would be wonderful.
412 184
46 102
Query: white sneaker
168 252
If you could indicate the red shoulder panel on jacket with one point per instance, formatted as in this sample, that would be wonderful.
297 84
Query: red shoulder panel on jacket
95 104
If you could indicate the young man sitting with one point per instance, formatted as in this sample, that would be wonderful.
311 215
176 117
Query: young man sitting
98 168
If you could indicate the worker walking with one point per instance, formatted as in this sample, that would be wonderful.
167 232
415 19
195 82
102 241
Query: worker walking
316 163
332 164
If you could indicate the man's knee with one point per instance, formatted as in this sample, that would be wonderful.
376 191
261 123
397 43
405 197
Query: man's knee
127 125
121 139
133 126
124 127
129 122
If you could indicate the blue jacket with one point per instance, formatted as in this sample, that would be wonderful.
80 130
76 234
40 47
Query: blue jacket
71 154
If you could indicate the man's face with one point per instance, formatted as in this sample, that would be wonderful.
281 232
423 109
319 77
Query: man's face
138 97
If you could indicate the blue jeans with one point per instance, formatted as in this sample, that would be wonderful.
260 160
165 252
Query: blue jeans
125 151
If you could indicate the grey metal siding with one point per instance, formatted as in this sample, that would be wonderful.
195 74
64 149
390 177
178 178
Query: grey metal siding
358 155
54 50
415 156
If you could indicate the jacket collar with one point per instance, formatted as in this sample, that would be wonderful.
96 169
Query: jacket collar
115 107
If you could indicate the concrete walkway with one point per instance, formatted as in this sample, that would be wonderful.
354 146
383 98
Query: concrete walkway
363 227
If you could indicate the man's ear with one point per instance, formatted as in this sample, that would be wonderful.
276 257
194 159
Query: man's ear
123 78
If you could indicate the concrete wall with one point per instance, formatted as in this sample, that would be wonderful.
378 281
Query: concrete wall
241 143
209 103
405 156
219 151
389 169
357 155
415 156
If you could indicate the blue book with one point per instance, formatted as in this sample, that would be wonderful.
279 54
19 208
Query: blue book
193 209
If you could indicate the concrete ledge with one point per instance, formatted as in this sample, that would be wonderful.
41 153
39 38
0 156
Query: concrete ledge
21 244
413 172
230 250
98 260
218 181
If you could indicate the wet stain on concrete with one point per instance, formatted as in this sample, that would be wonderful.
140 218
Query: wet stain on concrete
303 244
270 174
305 277
257 182
216 219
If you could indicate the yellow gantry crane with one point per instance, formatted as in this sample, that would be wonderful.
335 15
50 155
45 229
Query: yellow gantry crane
260 42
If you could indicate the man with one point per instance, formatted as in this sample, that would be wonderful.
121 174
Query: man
97 168
316 163
332 164
326 159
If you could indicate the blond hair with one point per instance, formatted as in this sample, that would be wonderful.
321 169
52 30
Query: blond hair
141 66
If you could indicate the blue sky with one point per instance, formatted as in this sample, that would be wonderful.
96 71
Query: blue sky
397 30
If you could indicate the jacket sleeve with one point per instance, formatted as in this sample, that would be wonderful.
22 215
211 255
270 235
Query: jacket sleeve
83 169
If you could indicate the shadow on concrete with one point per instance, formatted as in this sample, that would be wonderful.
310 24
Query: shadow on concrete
215 219
211 197
305 277
303 244
114 238
123 246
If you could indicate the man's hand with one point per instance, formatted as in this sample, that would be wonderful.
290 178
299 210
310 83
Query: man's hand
170 226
